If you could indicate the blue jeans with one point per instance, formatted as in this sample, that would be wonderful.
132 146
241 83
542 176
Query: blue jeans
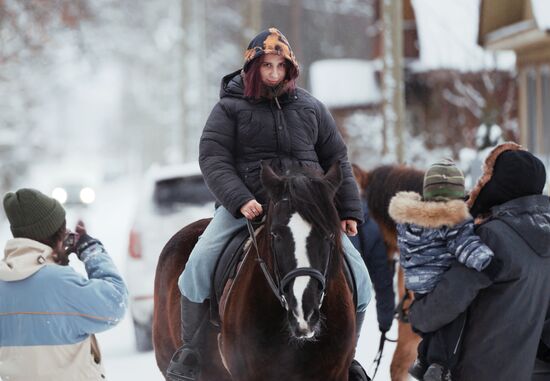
195 281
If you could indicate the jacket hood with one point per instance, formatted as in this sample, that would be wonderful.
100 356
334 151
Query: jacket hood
408 208
232 85
530 217
22 258
509 172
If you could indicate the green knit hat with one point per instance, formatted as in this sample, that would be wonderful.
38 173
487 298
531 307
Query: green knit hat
32 214
443 181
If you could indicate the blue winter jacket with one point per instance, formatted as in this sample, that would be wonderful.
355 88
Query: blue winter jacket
370 244
433 235
49 311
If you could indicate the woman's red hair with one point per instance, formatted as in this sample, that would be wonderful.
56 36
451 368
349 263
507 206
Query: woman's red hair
253 79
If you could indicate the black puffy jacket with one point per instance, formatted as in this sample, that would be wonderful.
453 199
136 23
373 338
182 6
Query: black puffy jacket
507 318
241 132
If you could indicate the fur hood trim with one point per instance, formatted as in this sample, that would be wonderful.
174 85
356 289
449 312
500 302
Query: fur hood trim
408 207
488 167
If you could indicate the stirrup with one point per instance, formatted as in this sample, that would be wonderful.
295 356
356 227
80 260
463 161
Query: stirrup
179 370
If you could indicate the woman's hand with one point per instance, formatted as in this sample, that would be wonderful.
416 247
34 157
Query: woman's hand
251 209
349 227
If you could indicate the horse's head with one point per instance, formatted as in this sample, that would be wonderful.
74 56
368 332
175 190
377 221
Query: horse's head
304 231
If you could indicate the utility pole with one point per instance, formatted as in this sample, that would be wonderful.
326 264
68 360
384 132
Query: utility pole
252 11
193 84
393 79
296 21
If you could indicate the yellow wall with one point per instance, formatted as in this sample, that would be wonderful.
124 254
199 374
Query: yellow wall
495 14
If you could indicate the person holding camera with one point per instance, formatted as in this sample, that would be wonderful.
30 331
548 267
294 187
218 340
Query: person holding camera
48 311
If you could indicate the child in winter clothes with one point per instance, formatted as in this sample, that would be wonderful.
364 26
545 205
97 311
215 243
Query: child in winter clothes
434 231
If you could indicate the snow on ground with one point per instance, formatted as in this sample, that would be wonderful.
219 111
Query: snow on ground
109 220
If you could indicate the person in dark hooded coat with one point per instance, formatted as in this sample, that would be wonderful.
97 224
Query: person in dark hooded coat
509 316
262 117
370 243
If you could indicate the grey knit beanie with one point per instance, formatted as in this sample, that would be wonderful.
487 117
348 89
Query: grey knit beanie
443 181
32 214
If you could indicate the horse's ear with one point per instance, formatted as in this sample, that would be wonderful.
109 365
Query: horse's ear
272 183
334 176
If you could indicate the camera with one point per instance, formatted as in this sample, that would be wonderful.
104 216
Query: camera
70 241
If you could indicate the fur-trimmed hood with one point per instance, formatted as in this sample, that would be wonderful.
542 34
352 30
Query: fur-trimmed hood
488 168
408 207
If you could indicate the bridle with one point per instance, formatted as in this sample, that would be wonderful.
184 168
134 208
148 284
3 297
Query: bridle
278 285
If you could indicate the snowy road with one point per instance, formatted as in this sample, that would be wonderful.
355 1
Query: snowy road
109 220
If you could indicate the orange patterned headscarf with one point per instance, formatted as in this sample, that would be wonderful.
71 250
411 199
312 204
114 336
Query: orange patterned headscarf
270 41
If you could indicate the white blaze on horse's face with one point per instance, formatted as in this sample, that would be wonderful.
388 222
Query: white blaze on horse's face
301 230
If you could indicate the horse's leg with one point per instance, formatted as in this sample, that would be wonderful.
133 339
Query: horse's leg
166 318
407 341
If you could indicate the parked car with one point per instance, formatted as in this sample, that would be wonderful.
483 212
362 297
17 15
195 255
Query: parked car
173 197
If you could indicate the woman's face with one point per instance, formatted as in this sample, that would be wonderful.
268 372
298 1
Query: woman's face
272 69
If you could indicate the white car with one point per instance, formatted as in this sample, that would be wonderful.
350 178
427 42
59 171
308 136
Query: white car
173 197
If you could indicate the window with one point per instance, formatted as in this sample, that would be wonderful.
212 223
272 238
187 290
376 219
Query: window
171 195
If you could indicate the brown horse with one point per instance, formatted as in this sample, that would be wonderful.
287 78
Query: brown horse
380 185
302 328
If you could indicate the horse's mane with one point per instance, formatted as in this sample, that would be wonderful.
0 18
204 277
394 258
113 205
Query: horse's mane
383 183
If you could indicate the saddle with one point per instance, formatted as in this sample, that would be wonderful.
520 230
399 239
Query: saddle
227 266
226 269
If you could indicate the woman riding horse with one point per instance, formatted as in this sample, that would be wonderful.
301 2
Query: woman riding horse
261 115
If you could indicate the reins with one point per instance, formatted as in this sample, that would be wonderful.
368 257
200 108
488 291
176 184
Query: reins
402 313
273 284
399 313
378 357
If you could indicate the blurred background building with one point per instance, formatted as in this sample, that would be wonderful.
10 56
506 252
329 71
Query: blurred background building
95 93
130 83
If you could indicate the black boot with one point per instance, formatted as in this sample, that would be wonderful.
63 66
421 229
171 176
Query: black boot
186 362
418 368
356 371
437 372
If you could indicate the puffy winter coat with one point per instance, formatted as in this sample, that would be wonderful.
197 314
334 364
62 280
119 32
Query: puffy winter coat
370 244
241 132
506 319
48 313
510 316
433 235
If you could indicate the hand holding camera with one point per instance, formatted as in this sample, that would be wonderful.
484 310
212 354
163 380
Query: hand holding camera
77 241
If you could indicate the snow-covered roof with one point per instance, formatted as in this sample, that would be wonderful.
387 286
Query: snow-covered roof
541 11
344 82
447 35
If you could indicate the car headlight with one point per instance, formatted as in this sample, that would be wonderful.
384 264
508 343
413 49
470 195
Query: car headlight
87 195
60 195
